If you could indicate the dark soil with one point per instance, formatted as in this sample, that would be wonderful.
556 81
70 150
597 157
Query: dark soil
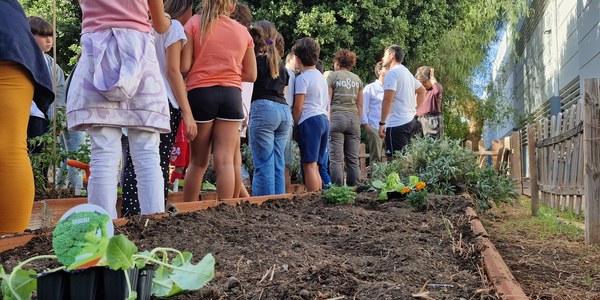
303 248
553 266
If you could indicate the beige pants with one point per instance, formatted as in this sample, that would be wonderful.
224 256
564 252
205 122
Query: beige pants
375 144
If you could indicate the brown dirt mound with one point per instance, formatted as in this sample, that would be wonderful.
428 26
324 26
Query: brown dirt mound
303 248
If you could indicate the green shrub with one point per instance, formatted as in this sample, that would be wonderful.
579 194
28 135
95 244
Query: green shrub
50 158
339 194
491 187
448 169
417 199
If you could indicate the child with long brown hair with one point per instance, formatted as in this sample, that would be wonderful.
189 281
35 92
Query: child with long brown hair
270 116
219 56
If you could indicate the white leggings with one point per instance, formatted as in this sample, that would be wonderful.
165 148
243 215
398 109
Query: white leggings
105 157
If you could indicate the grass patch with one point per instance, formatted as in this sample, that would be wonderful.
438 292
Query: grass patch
549 223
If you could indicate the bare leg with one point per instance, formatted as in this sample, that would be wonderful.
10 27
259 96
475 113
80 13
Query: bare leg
199 159
225 138
312 179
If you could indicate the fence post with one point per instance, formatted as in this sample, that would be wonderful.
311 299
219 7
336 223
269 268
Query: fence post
516 170
591 156
533 169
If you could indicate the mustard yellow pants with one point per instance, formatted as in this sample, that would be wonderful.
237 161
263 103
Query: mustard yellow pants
16 177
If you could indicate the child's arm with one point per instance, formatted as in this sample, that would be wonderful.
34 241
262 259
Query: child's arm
157 12
187 54
178 86
249 66
297 109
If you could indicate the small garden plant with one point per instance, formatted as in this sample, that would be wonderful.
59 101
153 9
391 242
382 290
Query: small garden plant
414 190
339 194
81 240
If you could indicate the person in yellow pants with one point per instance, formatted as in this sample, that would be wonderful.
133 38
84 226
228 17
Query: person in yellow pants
23 76
16 177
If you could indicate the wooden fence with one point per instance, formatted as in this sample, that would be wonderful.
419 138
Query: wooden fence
564 160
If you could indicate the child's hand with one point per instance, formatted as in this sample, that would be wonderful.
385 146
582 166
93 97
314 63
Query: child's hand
191 129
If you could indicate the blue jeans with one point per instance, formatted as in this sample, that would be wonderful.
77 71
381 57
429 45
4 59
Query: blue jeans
270 128
72 141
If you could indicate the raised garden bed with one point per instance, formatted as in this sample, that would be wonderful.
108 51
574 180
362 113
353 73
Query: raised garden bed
303 248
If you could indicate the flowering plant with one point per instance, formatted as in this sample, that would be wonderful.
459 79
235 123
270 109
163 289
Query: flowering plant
394 184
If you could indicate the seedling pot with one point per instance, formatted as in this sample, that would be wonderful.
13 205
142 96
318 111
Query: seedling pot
52 286
114 284
396 196
83 284
144 284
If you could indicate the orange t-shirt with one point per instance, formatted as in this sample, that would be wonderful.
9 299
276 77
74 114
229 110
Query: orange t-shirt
218 57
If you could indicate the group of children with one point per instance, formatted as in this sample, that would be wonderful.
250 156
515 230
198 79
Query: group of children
128 92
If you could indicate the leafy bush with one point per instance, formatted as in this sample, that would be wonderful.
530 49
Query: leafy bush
491 187
417 199
448 169
47 160
339 194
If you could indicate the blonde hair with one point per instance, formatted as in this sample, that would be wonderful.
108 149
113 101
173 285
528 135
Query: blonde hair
265 31
423 73
211 10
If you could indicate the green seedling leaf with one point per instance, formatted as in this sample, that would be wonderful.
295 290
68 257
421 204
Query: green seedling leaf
378 184
207 186
412 181
19 285
132 295
187 257
6 293
141 263
161 282
194 277
382 195
119 253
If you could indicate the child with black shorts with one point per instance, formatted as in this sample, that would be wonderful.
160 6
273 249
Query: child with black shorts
310 111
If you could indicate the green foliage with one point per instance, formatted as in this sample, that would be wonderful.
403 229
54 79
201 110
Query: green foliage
394 184
68 27
491 187
53 154
20 283
172 276
448 169
339 194
207 186
417 199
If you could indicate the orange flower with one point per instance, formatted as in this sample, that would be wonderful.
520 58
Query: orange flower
404 190
420 185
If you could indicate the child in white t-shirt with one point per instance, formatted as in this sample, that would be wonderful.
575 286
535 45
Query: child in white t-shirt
310 111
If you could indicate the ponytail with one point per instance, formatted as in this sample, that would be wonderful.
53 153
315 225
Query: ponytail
265 40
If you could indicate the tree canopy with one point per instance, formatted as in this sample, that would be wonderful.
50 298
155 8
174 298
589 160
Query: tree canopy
453 36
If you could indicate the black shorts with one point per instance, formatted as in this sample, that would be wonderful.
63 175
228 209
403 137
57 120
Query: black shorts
216 102
396 138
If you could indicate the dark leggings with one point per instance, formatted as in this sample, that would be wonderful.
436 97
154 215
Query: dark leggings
130 205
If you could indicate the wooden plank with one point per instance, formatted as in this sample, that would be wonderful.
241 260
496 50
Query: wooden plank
515 160
561 137
591 156
533 169
561 190
541 157
580 203
562 159
569 164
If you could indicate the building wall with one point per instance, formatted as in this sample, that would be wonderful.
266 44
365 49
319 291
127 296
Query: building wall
561 48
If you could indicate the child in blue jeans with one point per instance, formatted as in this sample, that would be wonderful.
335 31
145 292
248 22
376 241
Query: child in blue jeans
310 112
